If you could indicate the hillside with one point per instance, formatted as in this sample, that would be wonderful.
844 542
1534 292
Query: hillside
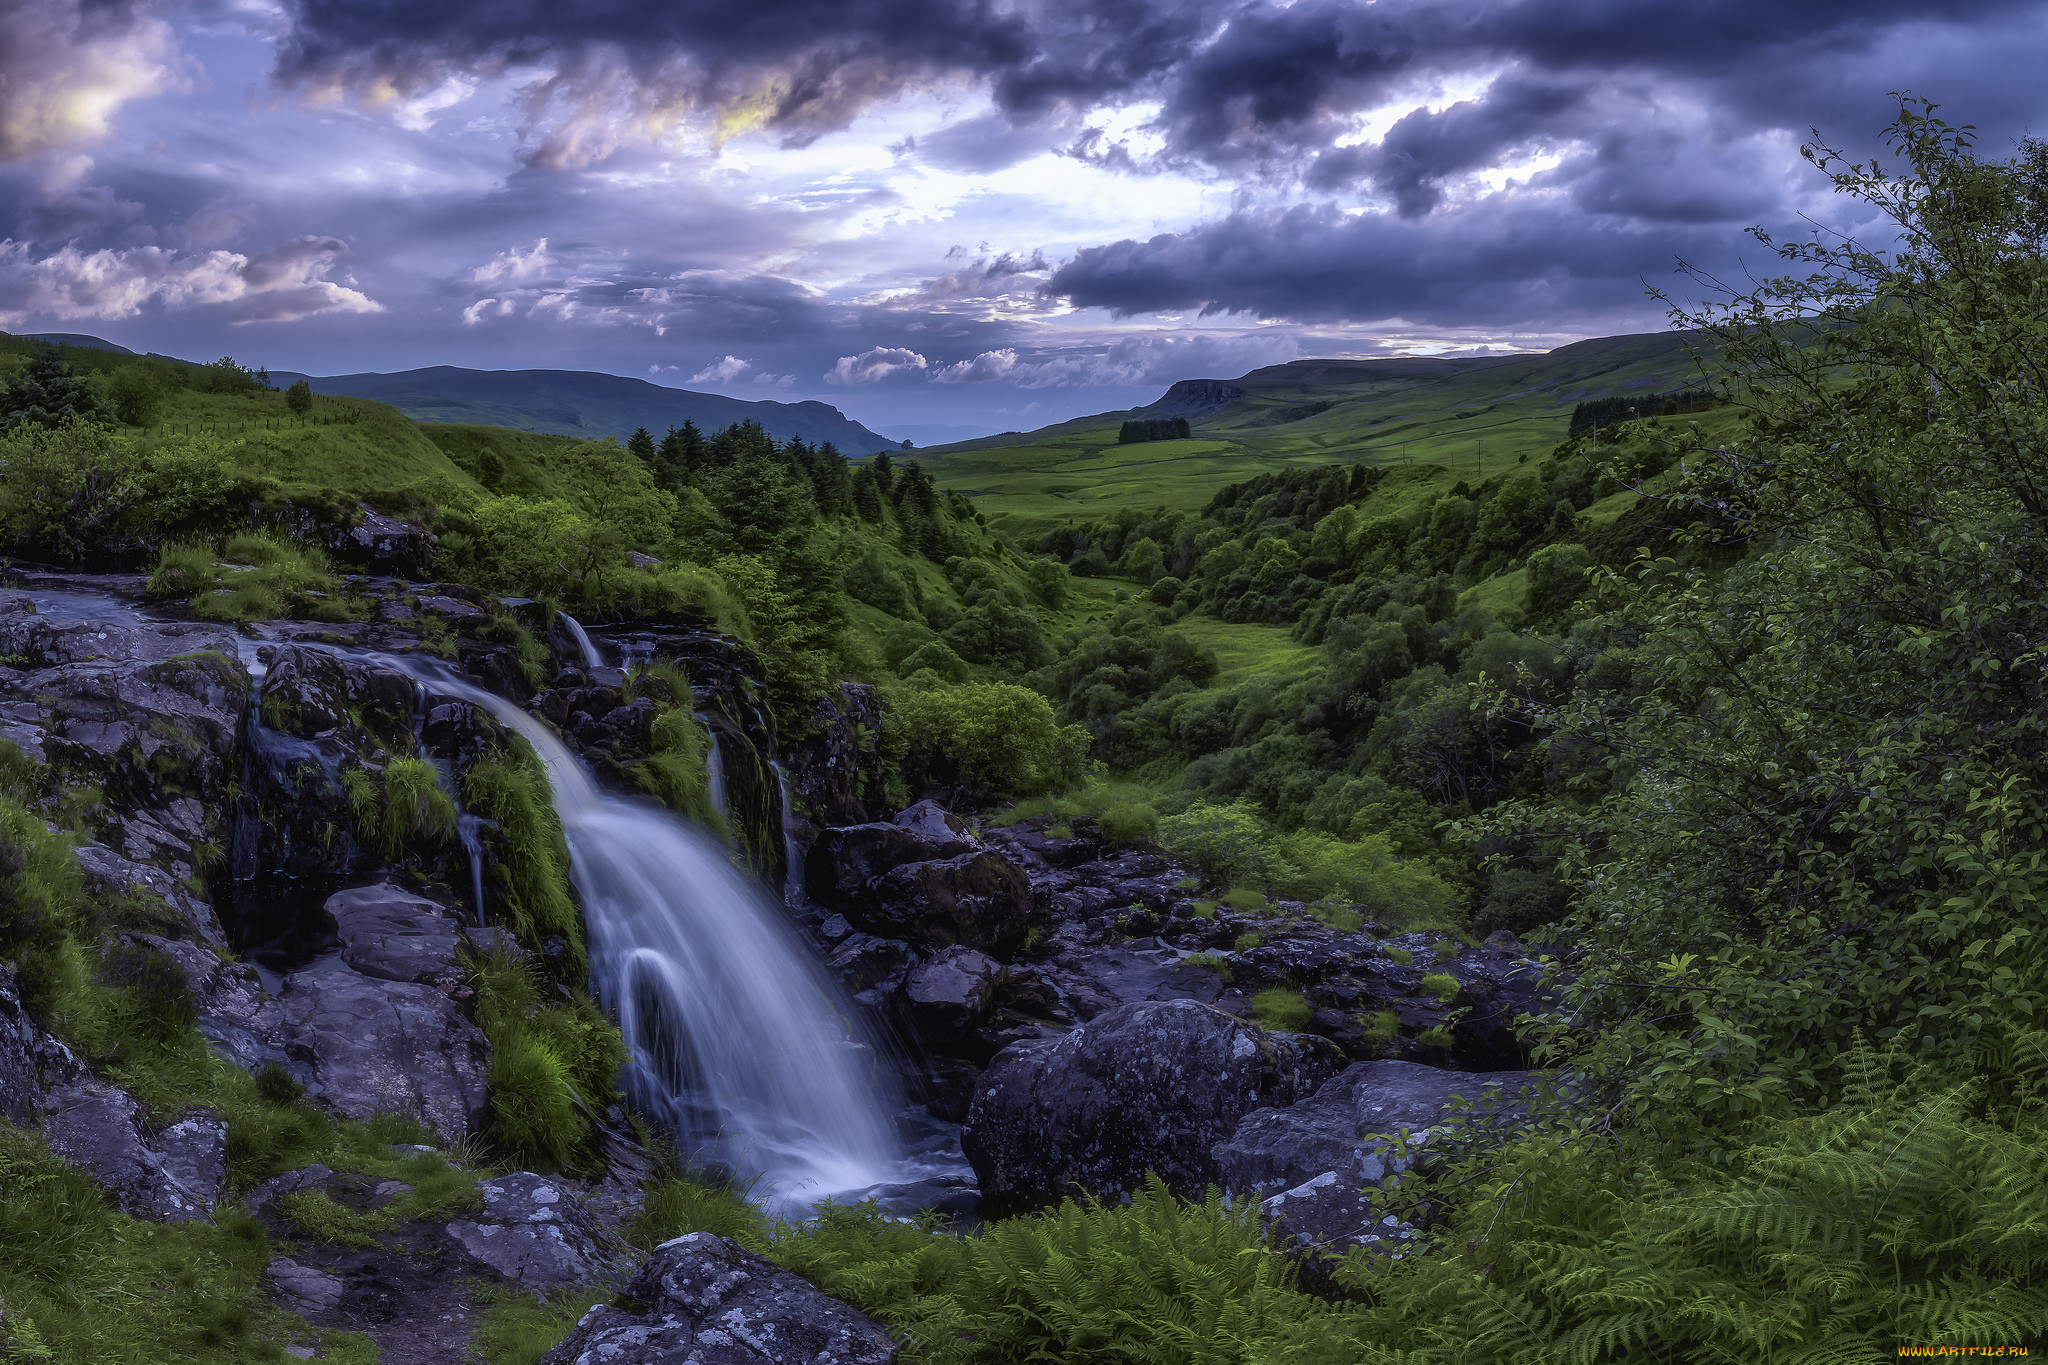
1467 415
586 404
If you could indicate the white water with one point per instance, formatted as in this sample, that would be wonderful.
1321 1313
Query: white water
591 658
792 855
734 1031
714 769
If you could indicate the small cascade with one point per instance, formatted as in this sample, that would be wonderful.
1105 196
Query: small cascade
591 658
468 827
714 768
734 1032
792 855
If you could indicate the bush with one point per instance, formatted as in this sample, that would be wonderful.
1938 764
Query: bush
1128 823
991 739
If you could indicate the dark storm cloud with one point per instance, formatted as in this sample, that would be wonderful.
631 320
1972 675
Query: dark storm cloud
1484 264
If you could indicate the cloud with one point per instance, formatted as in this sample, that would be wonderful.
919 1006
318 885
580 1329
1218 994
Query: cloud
67 67
720 371
513 266
873 366
63 206
1499 261
281 285
980 370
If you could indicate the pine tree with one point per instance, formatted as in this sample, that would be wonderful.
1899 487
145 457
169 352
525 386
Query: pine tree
49 393
641 443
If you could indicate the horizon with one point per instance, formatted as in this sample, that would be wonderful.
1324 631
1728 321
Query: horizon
929 214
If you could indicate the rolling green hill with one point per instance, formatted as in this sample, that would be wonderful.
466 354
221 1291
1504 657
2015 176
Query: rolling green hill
1470 416
585 404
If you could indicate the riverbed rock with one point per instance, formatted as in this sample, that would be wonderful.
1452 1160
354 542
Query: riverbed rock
704 1300
533 1233
1151 1086
979 898
952 994
383 544
302 1288
395 935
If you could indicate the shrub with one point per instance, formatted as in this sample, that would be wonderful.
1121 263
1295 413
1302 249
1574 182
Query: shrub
1442 985
992 739
1129 823
676 772
512 791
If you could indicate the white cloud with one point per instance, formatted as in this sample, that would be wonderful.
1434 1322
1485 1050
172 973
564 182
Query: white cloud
984 367
485 308
720 371
513 266
280 285
774 381
70 66
873 366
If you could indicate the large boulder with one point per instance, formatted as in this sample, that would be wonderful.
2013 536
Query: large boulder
31 1061
949 996
704 1300
1145 1087
979 898
383 544
1316 1165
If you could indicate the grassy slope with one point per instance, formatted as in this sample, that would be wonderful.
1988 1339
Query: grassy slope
1468 419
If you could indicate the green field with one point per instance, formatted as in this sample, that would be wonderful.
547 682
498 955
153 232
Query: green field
1470 419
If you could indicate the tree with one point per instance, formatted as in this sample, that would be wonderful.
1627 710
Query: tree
1830 765
299 397
641 444
136 395
49 393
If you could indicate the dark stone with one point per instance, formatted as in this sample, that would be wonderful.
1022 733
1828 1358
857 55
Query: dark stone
1317 1164
845 862
703 1300
533 1232
384 544
394 935
1150 1086
981 899
176 1179
948 997
31 1061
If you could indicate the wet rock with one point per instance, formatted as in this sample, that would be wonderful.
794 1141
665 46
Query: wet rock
704 1300
302 1288
1318 1163
871 968
236 1017
155 895
394 935
980 899
938 827
31 1061
364 1046
950 996
533 1233
384 544
845 862
1151 1086
94 1126
452 609
837 772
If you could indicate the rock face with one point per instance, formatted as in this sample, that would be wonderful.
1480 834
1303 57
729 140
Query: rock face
532 1233
31 1061
363 1046
1317 1164
394 935
382 544
1152 1086
703 1300
979 898
175 1178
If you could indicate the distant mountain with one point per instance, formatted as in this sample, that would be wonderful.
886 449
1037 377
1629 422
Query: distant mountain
582 403
76 339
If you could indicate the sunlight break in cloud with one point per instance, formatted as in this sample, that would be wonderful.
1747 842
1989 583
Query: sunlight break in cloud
279 285
873 366
513 266
66 68
720 371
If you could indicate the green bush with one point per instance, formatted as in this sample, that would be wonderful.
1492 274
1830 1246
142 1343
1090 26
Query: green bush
511 790
553 1062
1442 985
992 739
1130 823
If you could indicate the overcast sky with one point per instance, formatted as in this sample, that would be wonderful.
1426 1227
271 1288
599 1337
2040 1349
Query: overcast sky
930 211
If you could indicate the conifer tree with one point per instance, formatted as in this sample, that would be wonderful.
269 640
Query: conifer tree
49 393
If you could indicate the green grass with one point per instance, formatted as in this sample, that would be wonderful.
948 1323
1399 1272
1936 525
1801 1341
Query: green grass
1282 1010
1246 649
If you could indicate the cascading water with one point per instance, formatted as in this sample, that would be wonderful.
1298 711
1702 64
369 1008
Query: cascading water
591 658
792 855
734 1031
714 770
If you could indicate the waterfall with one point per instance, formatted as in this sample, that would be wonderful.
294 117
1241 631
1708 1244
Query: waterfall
734 1032
714 770
591 658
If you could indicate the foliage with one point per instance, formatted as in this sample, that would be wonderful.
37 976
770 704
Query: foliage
1823 804
1282 1010
518 1328
511 791
1153 429
554 1063
988 739
48 393
402 809
252 577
